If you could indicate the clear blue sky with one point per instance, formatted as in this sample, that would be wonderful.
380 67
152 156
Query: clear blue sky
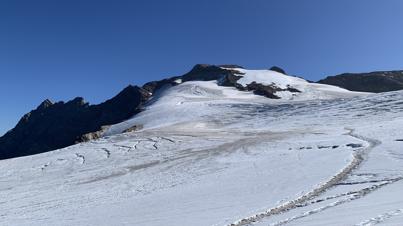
60 49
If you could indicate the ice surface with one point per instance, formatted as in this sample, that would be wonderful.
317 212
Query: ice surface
211 155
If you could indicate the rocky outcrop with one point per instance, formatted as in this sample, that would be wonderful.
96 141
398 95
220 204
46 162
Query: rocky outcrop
231 66
133 129
268 91
231 79
375 82
226 75
153 86
93 135
206 72
263 90
55 125
200 72
278 69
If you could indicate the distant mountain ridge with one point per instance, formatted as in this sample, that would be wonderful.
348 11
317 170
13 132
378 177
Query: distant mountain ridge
374 82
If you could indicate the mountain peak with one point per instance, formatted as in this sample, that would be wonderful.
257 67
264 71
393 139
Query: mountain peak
78 101
230 66
45 104
278 69
130 88
200 67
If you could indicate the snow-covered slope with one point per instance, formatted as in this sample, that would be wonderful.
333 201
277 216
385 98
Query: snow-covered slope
213 155
191 102
308 90
188 103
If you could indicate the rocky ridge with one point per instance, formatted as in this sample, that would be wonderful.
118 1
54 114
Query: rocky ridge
374 82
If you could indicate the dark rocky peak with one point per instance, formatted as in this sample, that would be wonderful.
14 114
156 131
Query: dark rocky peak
134 91
128 90
43 107
45 104
278 69
230 66
56 125
206 72
153 86
131 93
78 101
200 72
199 67
123 106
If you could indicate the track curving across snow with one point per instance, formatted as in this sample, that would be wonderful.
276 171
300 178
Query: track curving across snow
359 157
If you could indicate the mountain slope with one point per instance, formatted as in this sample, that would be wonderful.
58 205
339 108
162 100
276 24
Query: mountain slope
376 82
215 155
57 125
189 101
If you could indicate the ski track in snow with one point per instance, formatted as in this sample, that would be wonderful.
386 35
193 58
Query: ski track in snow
358 158
350 196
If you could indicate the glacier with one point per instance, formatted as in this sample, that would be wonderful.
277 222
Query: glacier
214 155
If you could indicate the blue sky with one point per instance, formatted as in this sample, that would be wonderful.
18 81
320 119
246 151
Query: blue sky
59 49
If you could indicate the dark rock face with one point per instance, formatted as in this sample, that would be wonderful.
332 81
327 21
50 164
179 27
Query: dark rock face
230 66
201 72
268 91
155 85
263 90
278 69
56 125
375 82
92 135
205 72
231 79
